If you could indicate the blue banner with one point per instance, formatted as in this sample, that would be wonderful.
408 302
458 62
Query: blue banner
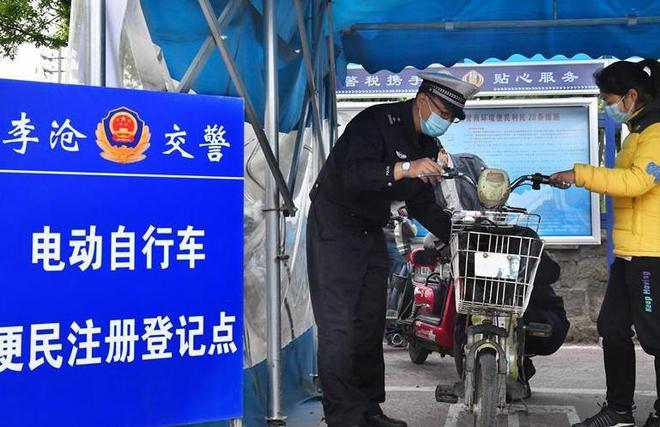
492 79
122 257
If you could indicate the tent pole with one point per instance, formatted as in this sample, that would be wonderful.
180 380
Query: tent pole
321 86
204 53
300 137
96 57
273 165
272 214
319 72
317 129
532 23
309 72
332 75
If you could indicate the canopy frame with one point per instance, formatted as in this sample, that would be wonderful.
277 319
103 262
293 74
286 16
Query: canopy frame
267 138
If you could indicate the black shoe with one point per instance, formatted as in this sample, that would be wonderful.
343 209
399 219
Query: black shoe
528 368
517 390
608 417
653 421
383 420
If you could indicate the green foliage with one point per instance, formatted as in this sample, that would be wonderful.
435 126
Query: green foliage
43 23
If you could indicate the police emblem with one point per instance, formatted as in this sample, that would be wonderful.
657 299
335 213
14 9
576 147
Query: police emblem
123 136
474 77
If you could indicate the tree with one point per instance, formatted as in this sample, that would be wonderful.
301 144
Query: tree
43 23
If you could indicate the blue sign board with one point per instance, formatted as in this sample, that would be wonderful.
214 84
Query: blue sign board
121 270
492 79
526 139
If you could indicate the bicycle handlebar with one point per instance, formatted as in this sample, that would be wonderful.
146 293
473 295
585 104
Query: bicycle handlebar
535 179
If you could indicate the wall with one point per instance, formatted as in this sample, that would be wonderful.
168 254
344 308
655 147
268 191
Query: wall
582 285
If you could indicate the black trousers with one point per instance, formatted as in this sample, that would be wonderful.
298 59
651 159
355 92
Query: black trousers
347 265
630 300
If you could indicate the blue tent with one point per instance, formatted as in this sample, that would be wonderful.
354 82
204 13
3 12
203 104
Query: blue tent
392 34
422 32
384 34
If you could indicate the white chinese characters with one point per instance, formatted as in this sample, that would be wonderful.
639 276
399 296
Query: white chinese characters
215 141
46 249
11 342
175 140
86 252
62 135
86 248
21 131
84 342
65 135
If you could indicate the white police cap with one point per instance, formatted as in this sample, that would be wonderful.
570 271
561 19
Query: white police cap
455 91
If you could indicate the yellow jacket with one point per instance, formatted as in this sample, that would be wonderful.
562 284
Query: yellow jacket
634 184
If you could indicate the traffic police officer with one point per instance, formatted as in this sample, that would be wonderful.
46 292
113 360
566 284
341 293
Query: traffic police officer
386 153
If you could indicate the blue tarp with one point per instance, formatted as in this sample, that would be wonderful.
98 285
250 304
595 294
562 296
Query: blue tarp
179 28
395 49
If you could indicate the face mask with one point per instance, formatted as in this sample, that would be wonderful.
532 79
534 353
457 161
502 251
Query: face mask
435 125
616 114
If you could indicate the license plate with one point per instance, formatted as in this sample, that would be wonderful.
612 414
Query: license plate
496 266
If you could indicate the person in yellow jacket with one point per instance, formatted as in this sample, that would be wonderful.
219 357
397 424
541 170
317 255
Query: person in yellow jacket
631 92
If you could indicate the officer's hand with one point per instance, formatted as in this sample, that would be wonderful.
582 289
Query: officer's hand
421 167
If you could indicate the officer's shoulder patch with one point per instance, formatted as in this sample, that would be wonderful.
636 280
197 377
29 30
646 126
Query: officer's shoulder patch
653 169
393 120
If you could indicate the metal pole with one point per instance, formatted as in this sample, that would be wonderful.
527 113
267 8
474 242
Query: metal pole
317 129
96 58
529 23
300 137
332 75
60 70
319 70
309 72
251 113
271 121
206 50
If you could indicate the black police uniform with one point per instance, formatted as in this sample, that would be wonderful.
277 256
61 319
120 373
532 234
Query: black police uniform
347 257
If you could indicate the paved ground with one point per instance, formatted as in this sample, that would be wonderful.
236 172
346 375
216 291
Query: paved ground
568 386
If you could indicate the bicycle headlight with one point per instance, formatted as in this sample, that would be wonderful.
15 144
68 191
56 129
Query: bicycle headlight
493 188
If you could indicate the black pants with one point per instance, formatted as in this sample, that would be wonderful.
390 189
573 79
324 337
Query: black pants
347 267
631 296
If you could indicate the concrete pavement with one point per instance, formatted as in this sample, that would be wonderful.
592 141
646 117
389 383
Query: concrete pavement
567 387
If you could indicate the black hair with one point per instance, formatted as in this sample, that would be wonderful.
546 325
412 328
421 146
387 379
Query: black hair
621 76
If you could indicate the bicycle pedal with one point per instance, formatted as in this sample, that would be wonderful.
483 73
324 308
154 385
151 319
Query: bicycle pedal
445 394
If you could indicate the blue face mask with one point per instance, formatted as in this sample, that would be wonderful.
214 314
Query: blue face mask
616 114
434 126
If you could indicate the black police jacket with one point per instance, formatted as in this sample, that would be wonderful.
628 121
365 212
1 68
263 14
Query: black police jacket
358 175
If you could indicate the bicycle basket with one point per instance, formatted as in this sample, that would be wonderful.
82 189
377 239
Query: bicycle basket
494 268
